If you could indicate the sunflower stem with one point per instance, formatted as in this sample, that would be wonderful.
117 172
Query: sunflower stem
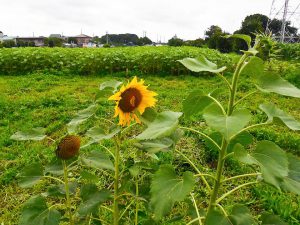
68 201
116 181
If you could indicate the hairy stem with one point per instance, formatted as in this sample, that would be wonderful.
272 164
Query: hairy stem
116 181
235 189
223 151
136 201
196 208
68 201
241 176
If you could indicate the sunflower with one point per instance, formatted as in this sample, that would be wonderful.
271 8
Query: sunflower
130 99
68 147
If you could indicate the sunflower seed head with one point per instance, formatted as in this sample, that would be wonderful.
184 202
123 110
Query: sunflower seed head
68 147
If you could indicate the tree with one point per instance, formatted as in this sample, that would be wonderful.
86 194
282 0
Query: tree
196 43
72 40
215 38
120 39
53 42
144 41
175 41
9 44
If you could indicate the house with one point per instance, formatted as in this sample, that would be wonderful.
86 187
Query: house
38 41
82 39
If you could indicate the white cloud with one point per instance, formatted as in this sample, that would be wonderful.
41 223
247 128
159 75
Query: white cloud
160 18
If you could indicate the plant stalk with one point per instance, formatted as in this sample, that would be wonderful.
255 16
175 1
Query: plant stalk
223 150
116 182
137 202
68 201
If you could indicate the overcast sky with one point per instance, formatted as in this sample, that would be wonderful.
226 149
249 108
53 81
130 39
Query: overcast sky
159 18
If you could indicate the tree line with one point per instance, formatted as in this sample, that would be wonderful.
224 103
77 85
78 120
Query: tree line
251 25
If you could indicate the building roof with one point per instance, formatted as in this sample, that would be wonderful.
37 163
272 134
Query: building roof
31 37
81 36
56 35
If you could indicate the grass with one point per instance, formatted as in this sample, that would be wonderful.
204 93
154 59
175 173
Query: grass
50 101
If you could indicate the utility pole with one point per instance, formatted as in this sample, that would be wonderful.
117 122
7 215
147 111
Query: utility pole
107 37
286 5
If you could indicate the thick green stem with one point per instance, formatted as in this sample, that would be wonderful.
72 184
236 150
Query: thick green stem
235 83
136 201
223 150
68 201
116 182
218 180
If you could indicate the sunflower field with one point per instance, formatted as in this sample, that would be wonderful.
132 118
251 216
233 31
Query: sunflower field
217 145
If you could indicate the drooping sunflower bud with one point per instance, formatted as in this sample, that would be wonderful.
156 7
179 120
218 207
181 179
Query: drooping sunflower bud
68 147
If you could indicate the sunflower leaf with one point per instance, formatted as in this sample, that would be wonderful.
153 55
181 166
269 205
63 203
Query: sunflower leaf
111 85
244 37
97 160
97 134
34 134
201 64
269 219
92 198
167 188
81 117
277 115
240 215
164 125
36 211
271 82
228 126
31 175
195 103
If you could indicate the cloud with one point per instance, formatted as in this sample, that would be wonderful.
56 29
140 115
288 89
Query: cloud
160 18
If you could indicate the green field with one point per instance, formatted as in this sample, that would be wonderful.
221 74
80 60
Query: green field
51 101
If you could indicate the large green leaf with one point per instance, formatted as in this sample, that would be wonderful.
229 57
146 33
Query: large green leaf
272 82
228 126
240 215
201 64
80 117
97 160
167 188
244 37
55 167
60 191
195 103
35 211
91 199
30 175
157 145
111 85
164 125
216 217
34 134
269 219
148 116
254 68
98 134
277 115
292 181
269 157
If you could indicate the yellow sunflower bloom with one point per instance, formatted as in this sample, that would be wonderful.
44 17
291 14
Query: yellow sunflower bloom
130 99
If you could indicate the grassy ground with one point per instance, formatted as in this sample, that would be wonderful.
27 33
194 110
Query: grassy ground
43 100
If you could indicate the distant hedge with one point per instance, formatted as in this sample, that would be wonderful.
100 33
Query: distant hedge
289 51
147 60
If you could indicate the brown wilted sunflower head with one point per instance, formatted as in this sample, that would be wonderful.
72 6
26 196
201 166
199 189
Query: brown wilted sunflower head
68 147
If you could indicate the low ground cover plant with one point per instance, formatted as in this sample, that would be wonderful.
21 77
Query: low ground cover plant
151 187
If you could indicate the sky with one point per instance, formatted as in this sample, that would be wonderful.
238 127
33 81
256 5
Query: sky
160 19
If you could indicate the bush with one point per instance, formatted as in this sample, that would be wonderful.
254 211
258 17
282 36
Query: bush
147 60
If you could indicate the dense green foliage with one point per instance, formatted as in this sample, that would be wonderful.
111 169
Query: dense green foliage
161 60
44 100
